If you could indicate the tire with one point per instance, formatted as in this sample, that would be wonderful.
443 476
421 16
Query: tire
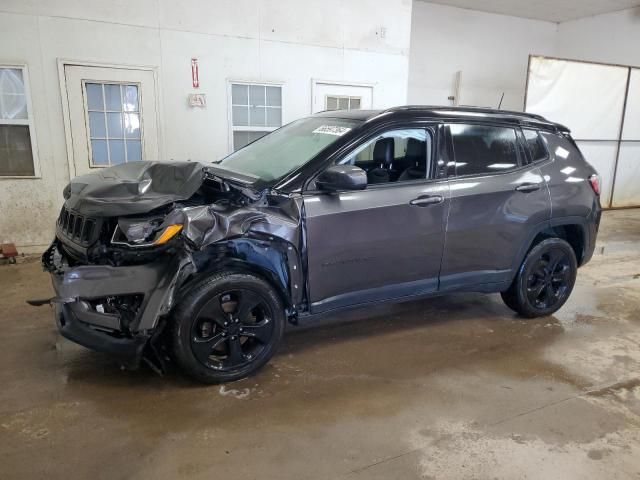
544 280
226 327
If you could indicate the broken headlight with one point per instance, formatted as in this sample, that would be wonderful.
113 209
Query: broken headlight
139 232
144 232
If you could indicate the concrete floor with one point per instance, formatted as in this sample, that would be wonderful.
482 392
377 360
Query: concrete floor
453 387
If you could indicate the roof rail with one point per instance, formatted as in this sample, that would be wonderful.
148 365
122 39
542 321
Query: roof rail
469 109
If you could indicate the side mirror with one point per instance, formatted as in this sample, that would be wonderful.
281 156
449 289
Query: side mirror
342 177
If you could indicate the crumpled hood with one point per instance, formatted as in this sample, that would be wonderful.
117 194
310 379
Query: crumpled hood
133 188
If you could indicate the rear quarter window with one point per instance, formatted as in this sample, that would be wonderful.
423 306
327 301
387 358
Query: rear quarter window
535 145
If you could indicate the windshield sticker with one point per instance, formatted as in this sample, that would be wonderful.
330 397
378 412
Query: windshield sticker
332 130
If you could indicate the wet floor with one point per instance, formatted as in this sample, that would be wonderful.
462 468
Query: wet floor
452 387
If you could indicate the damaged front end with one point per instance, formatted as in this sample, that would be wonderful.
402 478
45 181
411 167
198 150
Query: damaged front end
132 238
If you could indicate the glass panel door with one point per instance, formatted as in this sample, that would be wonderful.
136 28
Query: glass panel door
113 116
115 127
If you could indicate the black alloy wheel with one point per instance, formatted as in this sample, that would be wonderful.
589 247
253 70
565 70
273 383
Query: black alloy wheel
550 279
226 327
231 329
545 279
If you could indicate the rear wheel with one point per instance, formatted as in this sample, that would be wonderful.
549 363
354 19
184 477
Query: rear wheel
227 327
544 281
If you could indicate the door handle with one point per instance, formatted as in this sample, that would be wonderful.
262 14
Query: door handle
528 187
427 200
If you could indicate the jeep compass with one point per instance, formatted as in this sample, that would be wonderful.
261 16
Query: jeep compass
203 264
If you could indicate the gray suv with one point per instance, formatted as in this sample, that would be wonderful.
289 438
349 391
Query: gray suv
204 264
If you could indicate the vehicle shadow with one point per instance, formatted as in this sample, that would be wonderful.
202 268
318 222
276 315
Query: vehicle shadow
456 321
358 363
364 321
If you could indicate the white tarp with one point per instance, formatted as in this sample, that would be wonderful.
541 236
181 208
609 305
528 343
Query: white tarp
627 184
631 129
627 190
586 97
589 99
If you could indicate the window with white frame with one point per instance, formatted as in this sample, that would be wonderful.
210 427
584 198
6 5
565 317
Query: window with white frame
115 126
16 153
341 102
256 110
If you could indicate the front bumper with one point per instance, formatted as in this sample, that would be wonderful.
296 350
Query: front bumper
127 350
82 292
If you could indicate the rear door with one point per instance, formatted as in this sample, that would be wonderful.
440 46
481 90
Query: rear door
497 200
385 241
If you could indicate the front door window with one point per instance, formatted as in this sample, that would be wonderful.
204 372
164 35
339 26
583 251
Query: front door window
394 156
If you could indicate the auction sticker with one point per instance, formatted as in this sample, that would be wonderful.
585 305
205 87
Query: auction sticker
332 130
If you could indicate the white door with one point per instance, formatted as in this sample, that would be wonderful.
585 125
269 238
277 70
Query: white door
112 116
336 96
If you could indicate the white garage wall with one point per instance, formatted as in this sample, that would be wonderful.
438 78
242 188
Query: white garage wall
270 40
491 50
608 38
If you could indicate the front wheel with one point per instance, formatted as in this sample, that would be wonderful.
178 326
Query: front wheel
226 327
544 281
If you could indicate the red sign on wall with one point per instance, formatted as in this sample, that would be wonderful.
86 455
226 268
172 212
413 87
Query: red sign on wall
195 78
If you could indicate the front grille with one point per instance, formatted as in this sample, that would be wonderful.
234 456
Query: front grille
77 228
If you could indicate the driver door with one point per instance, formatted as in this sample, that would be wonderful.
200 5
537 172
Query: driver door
386 241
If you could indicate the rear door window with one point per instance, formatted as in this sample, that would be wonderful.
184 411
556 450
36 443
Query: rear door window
483 149
535 145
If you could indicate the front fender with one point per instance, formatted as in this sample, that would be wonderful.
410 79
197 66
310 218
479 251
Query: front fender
276 260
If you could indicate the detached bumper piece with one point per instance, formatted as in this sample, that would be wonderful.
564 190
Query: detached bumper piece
113 310
127 350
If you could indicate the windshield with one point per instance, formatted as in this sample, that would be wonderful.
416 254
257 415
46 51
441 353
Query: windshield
288 148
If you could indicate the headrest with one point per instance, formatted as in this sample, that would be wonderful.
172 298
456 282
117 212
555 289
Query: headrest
415 150
383 151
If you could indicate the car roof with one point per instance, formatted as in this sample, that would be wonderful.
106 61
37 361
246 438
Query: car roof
349 114
445 112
